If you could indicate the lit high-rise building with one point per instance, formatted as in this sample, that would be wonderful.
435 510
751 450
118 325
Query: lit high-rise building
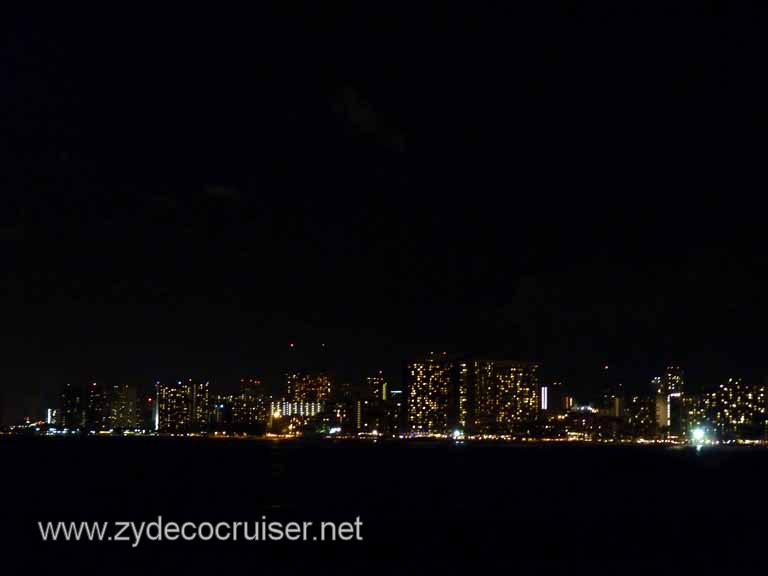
251 406
471 396
432 395
733 410
395 415
96 408
369 416
184 406
122 407
669 390
507 395
697 408
199 398
640 416
174 408
466 397
740 407
308 387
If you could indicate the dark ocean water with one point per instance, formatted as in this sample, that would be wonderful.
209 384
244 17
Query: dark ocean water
426 508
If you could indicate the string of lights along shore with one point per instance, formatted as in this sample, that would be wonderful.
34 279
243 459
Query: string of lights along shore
456 398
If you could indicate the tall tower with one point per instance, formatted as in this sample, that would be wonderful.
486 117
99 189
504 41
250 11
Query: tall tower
251 406
122 406
432 405
97 407
668 390
173 408
198 394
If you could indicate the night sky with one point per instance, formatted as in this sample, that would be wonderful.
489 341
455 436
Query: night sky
187 192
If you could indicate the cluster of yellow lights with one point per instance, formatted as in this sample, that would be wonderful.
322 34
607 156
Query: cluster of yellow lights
428 404
507 393
284 408
304 387
731 406
183 404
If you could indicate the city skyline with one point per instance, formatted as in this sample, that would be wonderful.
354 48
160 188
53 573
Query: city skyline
461 397
588 386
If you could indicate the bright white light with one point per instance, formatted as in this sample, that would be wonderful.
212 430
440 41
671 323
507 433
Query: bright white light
457 434
698 434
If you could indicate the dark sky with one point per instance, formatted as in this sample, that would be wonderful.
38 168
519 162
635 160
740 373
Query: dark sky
189 191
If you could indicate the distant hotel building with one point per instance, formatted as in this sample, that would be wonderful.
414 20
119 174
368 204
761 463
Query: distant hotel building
640 416
471 396
173 407
122 409
308 394
733 410
96 408
433 395
252 406
308 387
371 407
507 395
395 413
184 406
669 390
